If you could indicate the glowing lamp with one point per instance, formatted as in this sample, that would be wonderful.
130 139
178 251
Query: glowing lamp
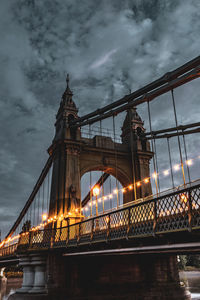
130 187
96 191
189 162
123 190
146 180
154 175
44 217
176 167
166 172
138 184
116 191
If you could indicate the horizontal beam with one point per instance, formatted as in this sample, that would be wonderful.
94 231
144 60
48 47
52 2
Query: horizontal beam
166 130
170 135
32 196
175 248
145 97
168 77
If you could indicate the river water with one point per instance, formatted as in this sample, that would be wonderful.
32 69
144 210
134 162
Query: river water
192 279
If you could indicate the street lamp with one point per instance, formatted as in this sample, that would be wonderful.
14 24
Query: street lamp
96 191
44 217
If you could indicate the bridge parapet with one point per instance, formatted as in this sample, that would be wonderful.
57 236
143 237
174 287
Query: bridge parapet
173 213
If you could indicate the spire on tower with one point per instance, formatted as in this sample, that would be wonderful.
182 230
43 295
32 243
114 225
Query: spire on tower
67 80
67 95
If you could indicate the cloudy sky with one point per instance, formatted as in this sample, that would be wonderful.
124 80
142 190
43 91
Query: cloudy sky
108 47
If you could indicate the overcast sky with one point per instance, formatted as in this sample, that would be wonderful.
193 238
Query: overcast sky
107 47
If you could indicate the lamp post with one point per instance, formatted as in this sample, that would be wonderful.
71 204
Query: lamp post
96 191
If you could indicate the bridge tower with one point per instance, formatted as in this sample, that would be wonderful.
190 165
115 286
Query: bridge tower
73 156
65 149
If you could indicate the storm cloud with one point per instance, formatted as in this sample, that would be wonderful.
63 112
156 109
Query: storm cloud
108 48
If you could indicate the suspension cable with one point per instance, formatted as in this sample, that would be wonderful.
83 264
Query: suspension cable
102 182
43 197
90 179
115 161
179 144
156 161
132 155
38 214
170 162
35 210
48 193
186 156
152 146
110 192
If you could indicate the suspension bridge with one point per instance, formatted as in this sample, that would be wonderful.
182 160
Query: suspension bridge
125 218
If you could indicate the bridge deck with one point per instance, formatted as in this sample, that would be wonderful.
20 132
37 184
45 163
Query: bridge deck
173 213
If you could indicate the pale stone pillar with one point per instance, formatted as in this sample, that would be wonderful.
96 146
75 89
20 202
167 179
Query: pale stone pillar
39 264
28 274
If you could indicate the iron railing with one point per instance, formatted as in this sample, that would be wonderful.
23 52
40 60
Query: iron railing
177 211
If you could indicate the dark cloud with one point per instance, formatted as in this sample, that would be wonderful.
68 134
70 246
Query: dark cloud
108 47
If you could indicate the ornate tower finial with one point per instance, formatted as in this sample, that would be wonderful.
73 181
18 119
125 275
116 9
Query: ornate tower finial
67 80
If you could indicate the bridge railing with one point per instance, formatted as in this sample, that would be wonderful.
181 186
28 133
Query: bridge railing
177 211
9 250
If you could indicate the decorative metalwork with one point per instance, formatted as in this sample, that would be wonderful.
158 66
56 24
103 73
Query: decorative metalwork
174 212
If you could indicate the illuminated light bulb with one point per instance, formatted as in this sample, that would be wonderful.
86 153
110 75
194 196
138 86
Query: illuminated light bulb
130 187
76 210
55 217
115 191
44 217
123 190
90 204
69 213
96 190
94 201
166 172
51 219
138 184
176 167
48 220
189 162
99 200
154 175
86 208
146 180
81 208
104 198
110 196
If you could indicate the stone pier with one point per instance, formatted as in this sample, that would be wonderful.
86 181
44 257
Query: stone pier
34 277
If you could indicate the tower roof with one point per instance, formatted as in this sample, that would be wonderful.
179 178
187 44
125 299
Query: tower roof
132 118
67 96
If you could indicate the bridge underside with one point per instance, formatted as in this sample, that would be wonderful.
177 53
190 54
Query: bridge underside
139 277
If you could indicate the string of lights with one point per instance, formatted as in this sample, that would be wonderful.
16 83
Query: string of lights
138 184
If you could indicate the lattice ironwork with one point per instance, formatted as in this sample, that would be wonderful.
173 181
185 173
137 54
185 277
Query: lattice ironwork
170 213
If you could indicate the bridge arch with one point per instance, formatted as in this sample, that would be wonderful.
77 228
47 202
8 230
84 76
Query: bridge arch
123 175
